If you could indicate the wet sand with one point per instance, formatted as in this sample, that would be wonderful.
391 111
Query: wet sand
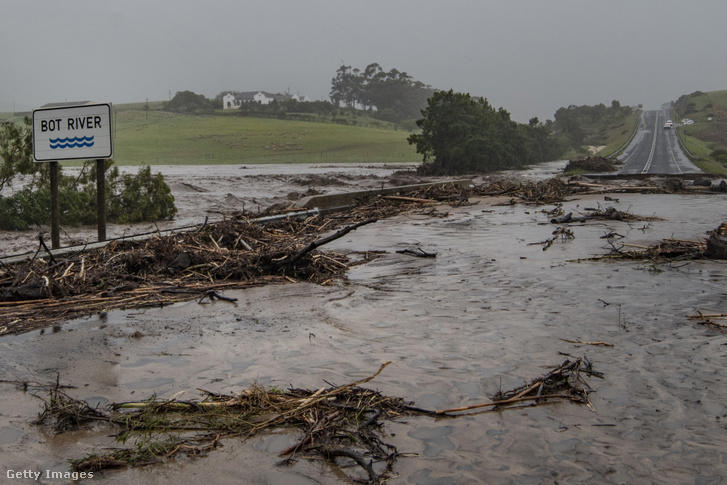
489 311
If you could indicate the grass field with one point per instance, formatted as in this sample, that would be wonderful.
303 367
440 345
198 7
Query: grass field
705 135
156 137
159 137
618 134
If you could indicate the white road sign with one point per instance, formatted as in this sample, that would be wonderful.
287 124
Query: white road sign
72 132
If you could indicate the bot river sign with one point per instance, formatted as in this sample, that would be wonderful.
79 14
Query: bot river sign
72 132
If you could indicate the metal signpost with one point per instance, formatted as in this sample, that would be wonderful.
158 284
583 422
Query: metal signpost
74 132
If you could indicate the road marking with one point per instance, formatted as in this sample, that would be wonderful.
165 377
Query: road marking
653 146
670 148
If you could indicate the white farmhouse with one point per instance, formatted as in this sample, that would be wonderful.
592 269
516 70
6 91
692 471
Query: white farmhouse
230 101
235 99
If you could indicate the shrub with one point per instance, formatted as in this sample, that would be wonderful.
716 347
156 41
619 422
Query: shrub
143 197
129 198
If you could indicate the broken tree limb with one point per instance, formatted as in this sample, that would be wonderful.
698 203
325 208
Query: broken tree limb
504 401
563 382
417 252
580 342
701 315
326 240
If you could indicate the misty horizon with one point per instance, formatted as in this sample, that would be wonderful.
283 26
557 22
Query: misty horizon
528 57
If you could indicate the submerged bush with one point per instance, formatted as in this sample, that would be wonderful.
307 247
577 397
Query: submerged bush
129 199
143 197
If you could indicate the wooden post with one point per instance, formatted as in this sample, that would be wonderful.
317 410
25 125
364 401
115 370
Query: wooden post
54 210
101 198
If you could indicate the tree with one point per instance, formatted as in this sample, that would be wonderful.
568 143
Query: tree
461 134
189 102
131 198
16 151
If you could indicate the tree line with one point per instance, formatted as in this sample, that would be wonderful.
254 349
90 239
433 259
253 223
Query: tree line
391 95
583 125
394 95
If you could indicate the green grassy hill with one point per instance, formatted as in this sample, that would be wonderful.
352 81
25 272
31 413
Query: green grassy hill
159 137
600 129
617 132
706 139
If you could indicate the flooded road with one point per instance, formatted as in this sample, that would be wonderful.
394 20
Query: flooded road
488 313
212 191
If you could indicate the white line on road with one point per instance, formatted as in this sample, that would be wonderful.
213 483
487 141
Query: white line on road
670 148
653 147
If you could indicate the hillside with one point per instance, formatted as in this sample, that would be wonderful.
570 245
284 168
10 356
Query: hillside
599 129
159 137
706 137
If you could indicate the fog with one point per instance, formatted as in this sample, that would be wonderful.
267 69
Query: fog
528 56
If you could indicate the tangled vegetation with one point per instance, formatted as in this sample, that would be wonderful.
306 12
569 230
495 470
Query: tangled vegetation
343 425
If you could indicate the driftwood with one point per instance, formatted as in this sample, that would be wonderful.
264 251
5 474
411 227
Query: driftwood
564 382
417 252
609 213
325 240
563 233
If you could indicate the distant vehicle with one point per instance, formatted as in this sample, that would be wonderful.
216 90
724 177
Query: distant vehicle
668 125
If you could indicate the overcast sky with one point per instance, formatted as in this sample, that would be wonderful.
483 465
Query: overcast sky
528 56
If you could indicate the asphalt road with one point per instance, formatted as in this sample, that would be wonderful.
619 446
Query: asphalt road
655 149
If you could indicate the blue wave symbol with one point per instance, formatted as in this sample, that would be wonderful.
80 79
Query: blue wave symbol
69 139
71 142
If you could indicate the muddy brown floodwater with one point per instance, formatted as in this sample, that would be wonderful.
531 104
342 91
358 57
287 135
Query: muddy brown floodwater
488 312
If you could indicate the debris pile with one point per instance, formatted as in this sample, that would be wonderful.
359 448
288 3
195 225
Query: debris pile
165 269
340 424
234 253
607 214
591 164
665 250
548 191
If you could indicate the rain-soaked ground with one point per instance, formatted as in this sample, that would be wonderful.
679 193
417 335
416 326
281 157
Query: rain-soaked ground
488 313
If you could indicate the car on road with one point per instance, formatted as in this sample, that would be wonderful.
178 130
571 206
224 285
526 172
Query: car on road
669 124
